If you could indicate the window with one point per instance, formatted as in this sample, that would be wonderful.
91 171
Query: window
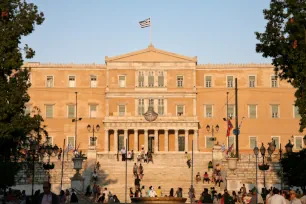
252 81
71 81
181 143
49 111
252 111
298 142
179 81
230 81
179 110
208 81
231 111
140 79
160 79
151 79
253 142
93 81
151 102
49 140
92 141
122 81
50 81
121 110
160 106
209 143
275 111
208 111
28 109
140 106
92 111
70 143
231 141
277 141
296 113
71 111
274 83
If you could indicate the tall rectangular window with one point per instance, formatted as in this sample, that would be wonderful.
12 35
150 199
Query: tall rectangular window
179 81
70 143
49 140
231 141
71 111
93 141
252 81
208 82
208 111
71 81
209 143
277 141
252 111
151 79
92 111
50 82
140 106
49 111
140 79
121 110
93 81
161 79
253 142
230 81
296 113
298 142
28 109
180 110
275 111
160 106
122 82
274 83
231 111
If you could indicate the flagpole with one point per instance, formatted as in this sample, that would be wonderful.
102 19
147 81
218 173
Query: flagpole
150 30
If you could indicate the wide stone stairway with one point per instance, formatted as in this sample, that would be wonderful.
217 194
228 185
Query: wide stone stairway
168 171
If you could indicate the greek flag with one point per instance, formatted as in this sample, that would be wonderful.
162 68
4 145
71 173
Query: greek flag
145 23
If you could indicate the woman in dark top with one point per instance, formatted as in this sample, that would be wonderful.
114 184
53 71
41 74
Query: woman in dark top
171 192
102 198
131 193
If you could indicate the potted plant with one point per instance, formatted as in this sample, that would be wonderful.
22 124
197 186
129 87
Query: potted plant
232 161
263 167
78 159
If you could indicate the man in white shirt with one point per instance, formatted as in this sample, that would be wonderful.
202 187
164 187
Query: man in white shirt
293 199
276 198
47 197
303 199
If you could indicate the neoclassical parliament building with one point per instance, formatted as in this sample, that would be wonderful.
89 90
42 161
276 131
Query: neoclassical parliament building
162 101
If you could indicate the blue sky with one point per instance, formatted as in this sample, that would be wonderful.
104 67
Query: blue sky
85 31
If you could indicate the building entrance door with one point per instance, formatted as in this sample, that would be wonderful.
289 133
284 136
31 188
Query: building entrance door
151 144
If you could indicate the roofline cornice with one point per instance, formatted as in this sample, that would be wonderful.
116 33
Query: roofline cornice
234 66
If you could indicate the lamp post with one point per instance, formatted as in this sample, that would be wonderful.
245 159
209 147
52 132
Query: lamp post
263 152
75 120
256 151
93 129
212 131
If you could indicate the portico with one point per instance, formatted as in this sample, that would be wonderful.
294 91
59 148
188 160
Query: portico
154 136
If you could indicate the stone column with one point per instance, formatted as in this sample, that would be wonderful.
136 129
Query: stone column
106 137
115 140
166 141
156 141
125 137
176 140
195 140
146 140
136 140
186 140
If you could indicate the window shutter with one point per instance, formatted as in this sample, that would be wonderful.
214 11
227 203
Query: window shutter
121 109
231 141
71 141
252 142
49 111
141 78
231 110
296 112
151 81
252 109
180 109
208 111
93 111
209 143
71 109
160 81
122 81
298 143
276 139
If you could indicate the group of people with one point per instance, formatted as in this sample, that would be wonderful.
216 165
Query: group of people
100 195
151 192
216 177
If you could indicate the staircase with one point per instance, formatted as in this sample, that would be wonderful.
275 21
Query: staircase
168 171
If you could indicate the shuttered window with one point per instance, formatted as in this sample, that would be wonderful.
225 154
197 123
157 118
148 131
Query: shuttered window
208 81
179 81
49 81
71 81
208 111
274 83
140 106
252 111
231 111
160 106
71 111
70 143
276 139
92 111
209 143
253 142
252 81
93 81
151 79
122 82
274 111
180 110
296 112
230 81
49 111
121 110
298 142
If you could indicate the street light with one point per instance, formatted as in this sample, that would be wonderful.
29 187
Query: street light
93 129
256 151
212 131
289 147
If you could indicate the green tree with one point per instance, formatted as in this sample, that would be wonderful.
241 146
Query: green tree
17 19
284 40
294 168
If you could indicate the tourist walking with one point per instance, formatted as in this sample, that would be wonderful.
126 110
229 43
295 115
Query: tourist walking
47 196
74 198
123 153
277 199
137 182
135 169
67 193
62 197
140 171
188 159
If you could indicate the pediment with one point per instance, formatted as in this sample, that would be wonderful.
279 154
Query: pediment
150 54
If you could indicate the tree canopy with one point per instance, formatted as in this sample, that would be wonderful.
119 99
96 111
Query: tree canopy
284 40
